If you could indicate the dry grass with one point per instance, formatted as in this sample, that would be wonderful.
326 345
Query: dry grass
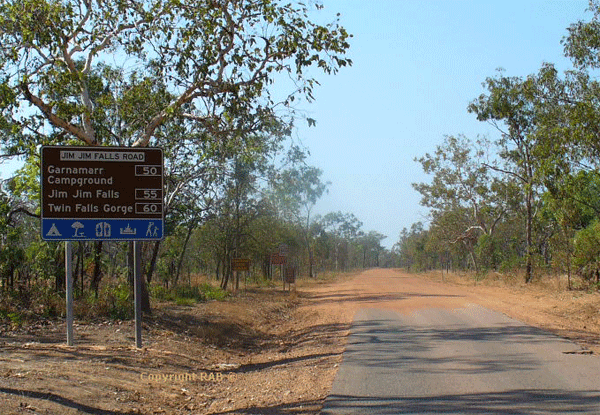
546 302
547 282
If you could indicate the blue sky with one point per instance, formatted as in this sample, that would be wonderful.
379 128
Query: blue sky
417 65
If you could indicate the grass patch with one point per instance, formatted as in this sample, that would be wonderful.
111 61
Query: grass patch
15 318
185 301
188 295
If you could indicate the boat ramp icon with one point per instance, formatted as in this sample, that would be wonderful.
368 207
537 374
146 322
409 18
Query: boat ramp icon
128 230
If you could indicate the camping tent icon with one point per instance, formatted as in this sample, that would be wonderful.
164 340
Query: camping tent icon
53 231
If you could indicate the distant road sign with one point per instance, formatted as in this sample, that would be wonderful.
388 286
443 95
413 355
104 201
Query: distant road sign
289 275
284 249
240 264
102 193
277 259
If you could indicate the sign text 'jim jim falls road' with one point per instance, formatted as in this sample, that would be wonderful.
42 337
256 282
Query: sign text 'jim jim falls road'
102 193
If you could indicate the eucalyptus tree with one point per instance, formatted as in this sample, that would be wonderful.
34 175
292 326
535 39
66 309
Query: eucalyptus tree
572 202
371 248
412 247
465 198
11 230
512 106
570 113
296 190
217 61
343 228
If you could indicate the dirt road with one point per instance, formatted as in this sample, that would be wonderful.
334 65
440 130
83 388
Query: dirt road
261 352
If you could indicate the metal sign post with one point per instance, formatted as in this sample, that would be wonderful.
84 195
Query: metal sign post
289 277
69 288
137 293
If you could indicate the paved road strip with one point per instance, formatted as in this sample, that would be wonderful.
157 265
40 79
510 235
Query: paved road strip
467 360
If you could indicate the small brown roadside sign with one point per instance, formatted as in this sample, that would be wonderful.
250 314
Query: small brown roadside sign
289 275
277 259
240 264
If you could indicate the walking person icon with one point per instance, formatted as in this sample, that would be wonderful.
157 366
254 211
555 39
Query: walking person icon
149 231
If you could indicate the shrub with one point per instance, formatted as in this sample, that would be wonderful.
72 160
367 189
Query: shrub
586 255
187 295
114 301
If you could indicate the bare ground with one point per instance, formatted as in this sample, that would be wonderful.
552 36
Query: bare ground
264 351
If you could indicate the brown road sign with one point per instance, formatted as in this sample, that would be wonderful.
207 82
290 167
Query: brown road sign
240 264
101 193
289 276
277 259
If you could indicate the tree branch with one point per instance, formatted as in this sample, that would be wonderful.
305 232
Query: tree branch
20 210
510 173
88 128
54 119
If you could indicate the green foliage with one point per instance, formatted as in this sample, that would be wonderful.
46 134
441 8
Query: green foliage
586 255
15 318
187 295
583 40
196 81
11 252
490 252
45 259
213 293
296 190
339 236
116 302
413 248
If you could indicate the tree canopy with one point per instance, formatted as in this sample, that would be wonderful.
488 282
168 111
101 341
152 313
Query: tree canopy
69 64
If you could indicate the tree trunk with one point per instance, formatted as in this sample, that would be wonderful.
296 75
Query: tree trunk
528 236
130 264
183 249
569 260
266 265
311 271
146 308
225 280
218 268
59 278
145 298
152 264
226 262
